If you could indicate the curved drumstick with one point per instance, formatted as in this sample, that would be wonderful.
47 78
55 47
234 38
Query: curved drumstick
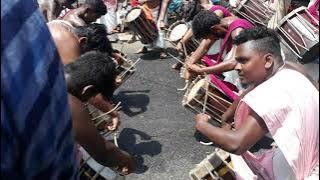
104 114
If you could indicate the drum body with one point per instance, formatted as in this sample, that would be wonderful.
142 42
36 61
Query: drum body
195 99
176 32
300 35
255 11
91 170
143 27
217 165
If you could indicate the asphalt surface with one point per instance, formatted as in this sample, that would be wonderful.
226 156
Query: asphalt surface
156 128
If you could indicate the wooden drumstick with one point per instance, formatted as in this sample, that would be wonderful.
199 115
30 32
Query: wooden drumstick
175 58
130 67
206 95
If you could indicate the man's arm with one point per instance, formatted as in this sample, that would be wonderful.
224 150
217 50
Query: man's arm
104 152
104 105
238 141
228 116
203 48
163 12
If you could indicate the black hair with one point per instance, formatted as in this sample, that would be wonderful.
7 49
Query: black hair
187 11
91 68
265 39
202 23
97 39
97 5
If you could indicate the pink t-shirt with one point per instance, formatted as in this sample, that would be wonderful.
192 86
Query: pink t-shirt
289 105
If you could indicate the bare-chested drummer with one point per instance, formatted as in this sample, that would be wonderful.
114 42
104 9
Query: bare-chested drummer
86 135
88 12
51 9
81 40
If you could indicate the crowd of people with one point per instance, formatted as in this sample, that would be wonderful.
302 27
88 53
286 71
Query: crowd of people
56 59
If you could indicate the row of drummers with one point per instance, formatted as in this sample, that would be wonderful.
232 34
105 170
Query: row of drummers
208 49
93 71
210 86
298 29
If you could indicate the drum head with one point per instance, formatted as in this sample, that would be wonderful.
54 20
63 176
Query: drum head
133 14
195 89
178 32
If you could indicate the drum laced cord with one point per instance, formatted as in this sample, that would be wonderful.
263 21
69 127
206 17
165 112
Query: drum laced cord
104 134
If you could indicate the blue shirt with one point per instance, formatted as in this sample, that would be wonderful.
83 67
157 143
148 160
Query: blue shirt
36 130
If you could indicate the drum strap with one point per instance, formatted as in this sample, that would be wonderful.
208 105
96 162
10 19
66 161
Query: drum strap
227 43
313 10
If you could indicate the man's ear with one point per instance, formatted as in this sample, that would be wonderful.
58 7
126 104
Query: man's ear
269 61
213 28
88 90
83 40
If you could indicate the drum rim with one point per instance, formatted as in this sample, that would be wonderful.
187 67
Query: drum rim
126 17
241 5
92 162
186 97
175 25
295 11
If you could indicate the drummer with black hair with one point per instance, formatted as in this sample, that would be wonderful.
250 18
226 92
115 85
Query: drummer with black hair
87 13
220 11
210 27
71 44
89 75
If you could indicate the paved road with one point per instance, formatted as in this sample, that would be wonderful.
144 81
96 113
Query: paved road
155 126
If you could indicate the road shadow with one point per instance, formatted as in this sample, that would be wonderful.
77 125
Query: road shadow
138 143
133 102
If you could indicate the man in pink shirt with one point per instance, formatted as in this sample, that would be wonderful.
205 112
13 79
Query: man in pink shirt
282 102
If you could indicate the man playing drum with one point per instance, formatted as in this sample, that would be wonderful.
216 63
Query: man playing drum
220 11
81 40
51 9
90 74
283 103
87 135
87 13
210 27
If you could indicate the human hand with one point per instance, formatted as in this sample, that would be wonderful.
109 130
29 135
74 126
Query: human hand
161 25
201 119
118 81
226 126
126 163
118 57
114 123
193 68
